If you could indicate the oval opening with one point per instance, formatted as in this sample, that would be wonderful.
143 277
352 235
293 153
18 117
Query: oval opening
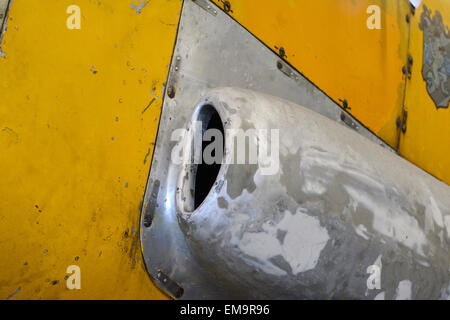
206 173
201 176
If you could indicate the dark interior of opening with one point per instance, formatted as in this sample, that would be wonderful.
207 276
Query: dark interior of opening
207 173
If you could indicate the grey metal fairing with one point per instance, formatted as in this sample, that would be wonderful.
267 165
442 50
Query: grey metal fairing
214 51
338 205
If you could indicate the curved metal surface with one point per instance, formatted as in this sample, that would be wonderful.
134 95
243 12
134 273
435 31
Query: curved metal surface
338 205
354 216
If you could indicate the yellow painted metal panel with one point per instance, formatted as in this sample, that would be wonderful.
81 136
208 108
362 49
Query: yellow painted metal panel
427 138
330 43
76 144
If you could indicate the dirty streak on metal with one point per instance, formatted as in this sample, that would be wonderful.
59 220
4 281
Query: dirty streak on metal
171 89
206 5
349 122
216 52
150 212
283 67
169 285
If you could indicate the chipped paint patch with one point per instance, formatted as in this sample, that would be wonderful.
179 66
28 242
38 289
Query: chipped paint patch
313 187
362 232
93 70
434 211
140 6
415 3
404 290
303 242
391 221
436 58
263 246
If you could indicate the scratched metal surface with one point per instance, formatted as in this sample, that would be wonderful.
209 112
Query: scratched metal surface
309 220
211 51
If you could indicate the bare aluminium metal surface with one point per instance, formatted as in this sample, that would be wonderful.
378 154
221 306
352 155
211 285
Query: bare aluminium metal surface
321 215
211 51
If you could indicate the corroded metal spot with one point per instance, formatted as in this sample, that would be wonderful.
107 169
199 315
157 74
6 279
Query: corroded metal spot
436 57
173 79
171 286
347 119
150 212
287 70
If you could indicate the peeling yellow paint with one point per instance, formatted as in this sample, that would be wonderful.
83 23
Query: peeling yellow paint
427 138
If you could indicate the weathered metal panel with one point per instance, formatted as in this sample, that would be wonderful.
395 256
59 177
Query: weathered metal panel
426 141
311 225
211 51
330 43
79 112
